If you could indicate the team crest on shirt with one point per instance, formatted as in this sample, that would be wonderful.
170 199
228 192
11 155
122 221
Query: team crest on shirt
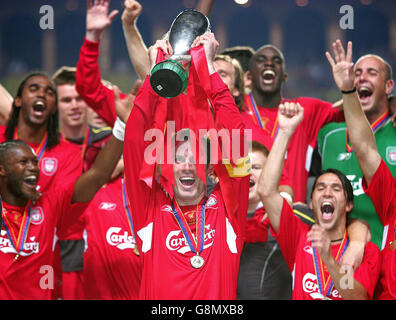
36 215
211 203
391 155
49 166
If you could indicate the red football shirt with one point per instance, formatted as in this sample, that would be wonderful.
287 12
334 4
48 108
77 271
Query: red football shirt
167 272
112 269
31 276
298 253
382 192
59 165
301 146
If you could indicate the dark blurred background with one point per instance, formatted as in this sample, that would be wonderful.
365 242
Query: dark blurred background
303 29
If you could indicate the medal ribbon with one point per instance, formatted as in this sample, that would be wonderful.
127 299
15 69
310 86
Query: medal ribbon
86 142
127 209
379 123
200 227
42 146
257 117
18 242
326 285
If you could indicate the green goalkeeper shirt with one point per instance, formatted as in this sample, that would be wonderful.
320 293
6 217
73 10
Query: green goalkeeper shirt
333 149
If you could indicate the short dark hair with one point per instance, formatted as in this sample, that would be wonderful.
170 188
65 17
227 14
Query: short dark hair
240 53
346 184
65 75
252 60
6 146
257 146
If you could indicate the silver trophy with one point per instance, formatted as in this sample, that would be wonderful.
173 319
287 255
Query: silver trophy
168 78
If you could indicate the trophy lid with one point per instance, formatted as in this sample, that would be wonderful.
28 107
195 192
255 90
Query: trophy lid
168 79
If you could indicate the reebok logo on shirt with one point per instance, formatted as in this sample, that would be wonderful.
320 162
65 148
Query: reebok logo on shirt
109 206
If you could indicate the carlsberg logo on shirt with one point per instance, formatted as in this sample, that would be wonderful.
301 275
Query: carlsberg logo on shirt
356 183
175 240
29 247
310 286
120 240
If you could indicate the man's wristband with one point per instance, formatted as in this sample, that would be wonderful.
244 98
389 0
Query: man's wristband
119 129
348 91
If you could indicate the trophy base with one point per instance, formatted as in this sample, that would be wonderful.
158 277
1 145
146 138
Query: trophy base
168 79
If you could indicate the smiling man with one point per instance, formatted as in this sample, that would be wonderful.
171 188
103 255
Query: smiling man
190 243
373 81
313 254
31 219
268 74
34 119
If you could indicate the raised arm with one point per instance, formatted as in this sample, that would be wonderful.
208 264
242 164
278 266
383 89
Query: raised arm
204 6
137 49
5 105
289 117
88 78
360 133
91 181
98 19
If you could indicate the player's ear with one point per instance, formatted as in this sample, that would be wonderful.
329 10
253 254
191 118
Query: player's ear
2 171
18 102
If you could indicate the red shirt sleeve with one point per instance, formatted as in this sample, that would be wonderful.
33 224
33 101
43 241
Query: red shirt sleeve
236 182
316 114
381 191
288 236
139 121
368 272
89 83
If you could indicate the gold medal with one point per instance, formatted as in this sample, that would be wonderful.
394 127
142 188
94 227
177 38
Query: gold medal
197 261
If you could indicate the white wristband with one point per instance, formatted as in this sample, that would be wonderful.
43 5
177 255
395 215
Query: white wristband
287 196
119 129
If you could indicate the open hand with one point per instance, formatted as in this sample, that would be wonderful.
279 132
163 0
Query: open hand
342 66
98 18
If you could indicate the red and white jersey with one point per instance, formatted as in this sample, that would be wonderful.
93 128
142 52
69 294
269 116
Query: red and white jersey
382 192
31 275
299 256
112 269
299 153
168 273
167 270
59 165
